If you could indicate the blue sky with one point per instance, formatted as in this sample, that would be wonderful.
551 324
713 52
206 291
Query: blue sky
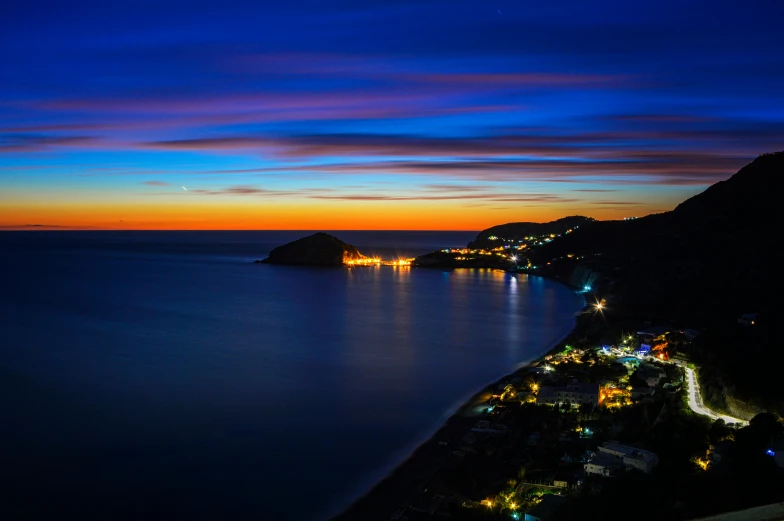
347 114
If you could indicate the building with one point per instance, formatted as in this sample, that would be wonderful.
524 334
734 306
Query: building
651 375
691 334
485 427
546 508
630 457
602 465
640 392
575 393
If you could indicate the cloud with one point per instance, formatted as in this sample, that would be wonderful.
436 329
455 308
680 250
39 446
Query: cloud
36 142
617 203
523 198
485 81
242 190
156 183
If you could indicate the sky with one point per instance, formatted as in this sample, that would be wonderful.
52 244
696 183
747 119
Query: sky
398 114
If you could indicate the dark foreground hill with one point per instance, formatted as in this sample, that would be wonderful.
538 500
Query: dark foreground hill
708 258
702 265
317 249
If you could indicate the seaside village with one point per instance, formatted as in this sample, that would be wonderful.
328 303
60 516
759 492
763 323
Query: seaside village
571 424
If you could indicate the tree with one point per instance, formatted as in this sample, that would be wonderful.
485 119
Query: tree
585 410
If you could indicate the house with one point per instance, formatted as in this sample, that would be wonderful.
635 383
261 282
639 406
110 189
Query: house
602 465
642 392
642 460
576 393
630 457
546 508
718 453
691 334
485 427
651 375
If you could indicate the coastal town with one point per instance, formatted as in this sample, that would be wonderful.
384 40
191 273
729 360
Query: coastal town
583 421
509 253
664 402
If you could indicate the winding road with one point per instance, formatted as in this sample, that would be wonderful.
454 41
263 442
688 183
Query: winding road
695 401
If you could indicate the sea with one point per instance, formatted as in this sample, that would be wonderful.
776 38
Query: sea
165 375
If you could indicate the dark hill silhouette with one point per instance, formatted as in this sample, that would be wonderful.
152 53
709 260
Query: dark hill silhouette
317 249
521 230
701 265
707 258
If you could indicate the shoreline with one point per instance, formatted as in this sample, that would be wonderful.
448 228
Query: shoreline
402 482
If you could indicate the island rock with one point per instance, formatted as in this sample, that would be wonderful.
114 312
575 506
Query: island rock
318 249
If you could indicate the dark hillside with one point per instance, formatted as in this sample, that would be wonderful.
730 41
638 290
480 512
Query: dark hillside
709 257
702 265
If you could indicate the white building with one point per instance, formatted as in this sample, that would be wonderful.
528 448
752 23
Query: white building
602 465
576 393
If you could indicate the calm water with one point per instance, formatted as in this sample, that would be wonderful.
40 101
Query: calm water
161 374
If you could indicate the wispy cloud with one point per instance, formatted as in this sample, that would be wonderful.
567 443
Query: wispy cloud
35 142
243 190
529 198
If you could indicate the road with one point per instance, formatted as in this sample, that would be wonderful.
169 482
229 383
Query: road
695 401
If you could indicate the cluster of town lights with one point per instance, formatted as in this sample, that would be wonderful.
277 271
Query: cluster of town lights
378 262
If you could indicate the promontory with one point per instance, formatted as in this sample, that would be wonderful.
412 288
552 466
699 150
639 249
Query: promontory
320 249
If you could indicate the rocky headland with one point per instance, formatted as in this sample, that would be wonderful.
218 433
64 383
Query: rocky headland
319 249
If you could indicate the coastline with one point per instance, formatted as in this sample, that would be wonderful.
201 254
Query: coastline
403 482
